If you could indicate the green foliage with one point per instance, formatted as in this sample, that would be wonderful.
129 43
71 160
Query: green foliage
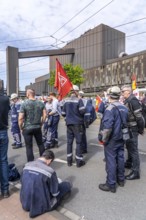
74 73
52 78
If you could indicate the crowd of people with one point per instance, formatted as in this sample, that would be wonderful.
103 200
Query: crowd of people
121 123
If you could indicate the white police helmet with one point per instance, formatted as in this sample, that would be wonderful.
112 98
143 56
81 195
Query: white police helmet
14 96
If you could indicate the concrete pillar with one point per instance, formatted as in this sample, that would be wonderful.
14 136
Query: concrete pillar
12 70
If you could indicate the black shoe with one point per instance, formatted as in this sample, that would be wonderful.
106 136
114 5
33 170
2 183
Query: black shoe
107 188
14 144
121 183
84 151
51 146
133 175
81 163
17 146
69 163
47 146
5 194
56 144
128 165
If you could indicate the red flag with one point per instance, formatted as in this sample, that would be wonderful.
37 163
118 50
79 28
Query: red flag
98 101
62 82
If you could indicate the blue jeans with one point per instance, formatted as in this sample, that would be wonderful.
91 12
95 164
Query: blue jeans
4 161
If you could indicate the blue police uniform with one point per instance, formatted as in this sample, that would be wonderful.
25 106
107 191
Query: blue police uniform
112 137
73 110
15 108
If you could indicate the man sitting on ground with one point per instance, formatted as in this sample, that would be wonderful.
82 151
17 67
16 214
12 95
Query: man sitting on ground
41 192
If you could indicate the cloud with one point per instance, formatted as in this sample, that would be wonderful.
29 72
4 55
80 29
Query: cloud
37 20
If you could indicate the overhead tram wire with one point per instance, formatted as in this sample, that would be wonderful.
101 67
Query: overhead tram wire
132 35
73 17
92 34
55 31
58 29
87 19
97 31
120 25
130 22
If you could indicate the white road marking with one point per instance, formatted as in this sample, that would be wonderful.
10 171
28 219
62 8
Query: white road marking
62 161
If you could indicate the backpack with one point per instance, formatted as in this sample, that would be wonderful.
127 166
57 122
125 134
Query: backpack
90 114
13 172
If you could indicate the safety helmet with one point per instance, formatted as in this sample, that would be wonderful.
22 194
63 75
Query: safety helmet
14 96
81 93
114 92
76 88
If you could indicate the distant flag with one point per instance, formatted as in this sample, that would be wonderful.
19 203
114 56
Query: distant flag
133 82
98 101
62 82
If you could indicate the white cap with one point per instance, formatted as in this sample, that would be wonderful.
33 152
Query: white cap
76 88
14 96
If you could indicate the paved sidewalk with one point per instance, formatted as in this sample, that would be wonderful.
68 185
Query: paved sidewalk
11 209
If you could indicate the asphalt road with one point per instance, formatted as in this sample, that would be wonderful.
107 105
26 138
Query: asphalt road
87 201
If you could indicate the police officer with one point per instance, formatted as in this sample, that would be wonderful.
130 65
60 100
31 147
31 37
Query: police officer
73 110
136 125
114 117
15 108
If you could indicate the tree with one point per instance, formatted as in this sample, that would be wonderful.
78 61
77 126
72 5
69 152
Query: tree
74 73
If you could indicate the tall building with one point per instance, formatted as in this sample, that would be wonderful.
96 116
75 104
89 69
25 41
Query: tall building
101 53
94 48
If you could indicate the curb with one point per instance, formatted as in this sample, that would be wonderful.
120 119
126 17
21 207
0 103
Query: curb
62 211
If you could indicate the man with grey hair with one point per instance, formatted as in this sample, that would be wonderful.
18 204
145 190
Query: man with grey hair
136 126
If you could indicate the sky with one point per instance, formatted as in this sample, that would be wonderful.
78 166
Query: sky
50 24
